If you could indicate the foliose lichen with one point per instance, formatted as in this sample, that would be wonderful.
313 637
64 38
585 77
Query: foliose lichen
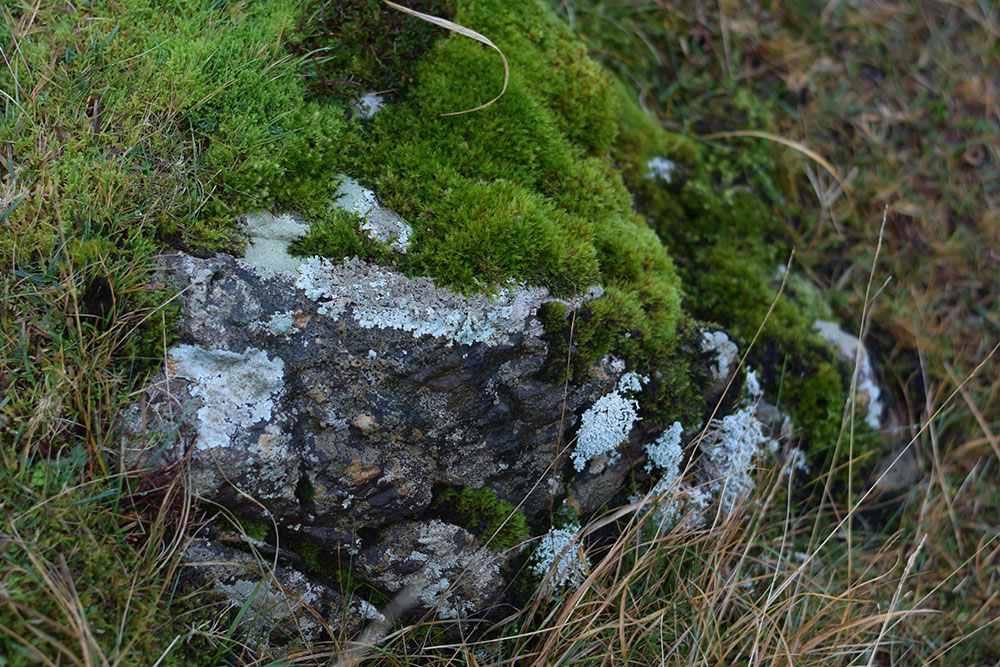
238 390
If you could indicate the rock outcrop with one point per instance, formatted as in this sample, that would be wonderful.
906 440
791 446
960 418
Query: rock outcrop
340 398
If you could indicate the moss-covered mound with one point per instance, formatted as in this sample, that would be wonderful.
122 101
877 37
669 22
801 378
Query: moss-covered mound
230 108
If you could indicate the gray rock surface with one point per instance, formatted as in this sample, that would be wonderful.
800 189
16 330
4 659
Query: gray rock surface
341 396
443 565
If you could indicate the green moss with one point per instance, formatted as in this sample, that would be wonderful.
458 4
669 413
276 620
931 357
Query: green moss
244 524
526 190
729 241
352 47
310 554
336 233
492 520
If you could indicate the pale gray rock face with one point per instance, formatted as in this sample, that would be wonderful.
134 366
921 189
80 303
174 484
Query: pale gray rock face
340 397
443 566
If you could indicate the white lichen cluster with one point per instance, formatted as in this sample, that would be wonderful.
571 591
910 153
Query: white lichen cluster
850 349
377 221
666 456
279 324
752 385
607 423
280 598
237 390
730 452
446 578
378 298
368 105
725 350
661 168
796 460
561 554
665 453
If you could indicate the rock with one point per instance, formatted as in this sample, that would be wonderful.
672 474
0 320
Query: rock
279 599
340 396
443 567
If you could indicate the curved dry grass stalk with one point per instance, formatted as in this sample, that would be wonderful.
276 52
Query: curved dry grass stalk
465 32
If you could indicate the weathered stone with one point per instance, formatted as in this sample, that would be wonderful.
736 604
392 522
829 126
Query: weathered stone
443 566
341 396
278 598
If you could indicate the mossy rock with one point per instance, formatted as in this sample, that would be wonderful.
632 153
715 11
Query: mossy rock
493 521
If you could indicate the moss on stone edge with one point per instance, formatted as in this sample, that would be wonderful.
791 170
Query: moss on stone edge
729 242
493 521
526 190
336 234
244 524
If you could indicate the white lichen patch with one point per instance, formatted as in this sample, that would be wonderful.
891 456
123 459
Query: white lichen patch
379 223
237 390
796 460
282 597
665 453
561 554
661 168
379 298
730 450
849 348
666 456
449 574
369 612
725 351
267 249
753 384
607 423
368 105
278 324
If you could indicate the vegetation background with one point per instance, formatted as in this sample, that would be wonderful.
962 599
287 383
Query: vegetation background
126 125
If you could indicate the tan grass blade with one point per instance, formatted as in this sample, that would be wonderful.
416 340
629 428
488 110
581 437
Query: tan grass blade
465 32
795 145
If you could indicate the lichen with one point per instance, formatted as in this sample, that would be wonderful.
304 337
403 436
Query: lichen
560 556
730 450
238 390
269 239
665 453
854 352
724 351
378 222
607 423
381 298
